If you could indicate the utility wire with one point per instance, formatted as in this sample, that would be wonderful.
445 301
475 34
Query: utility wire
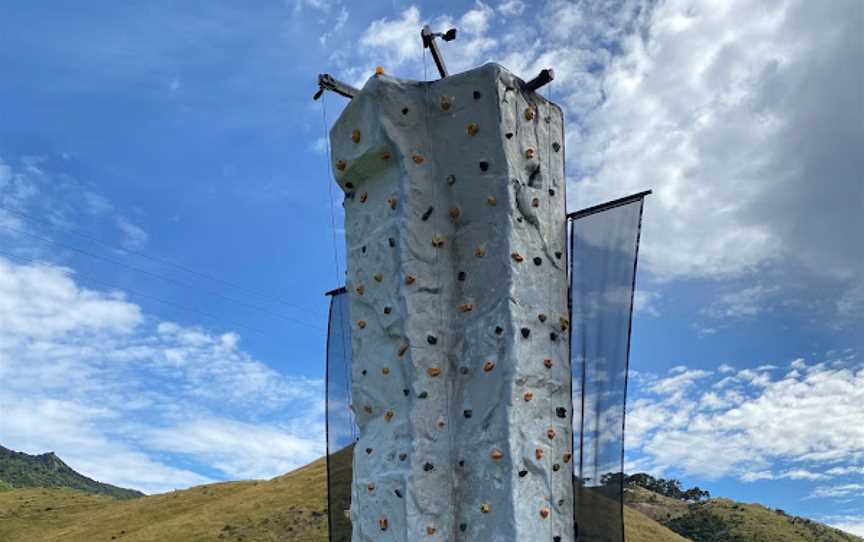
161 277
138 293
157 259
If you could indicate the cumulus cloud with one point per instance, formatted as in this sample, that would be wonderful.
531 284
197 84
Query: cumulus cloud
125 398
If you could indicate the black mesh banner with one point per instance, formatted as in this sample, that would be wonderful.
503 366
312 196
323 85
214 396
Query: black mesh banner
341 430
604 250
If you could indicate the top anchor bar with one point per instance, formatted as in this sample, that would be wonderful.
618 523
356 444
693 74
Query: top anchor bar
429 43
545 77
327 82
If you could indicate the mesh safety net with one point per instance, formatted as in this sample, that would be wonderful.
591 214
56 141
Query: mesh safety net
604 249
341 428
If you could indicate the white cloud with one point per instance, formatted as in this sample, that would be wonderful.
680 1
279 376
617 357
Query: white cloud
511 8
337 26
134 236
118 395
749 302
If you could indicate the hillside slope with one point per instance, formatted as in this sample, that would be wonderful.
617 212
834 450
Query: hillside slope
21 470
290 507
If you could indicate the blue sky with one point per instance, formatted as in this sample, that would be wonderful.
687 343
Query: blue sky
165 226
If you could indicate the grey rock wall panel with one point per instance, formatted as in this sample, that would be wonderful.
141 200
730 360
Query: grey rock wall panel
455 231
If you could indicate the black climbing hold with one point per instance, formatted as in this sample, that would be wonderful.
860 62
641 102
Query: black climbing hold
404 110
423 395
523 473
431 339
468 413
368 450
556 467
387 310
526 332
508 135
556 539
363 249
428 213
461 462
560 502
406 392
461 275
499 330
556 146
553 336
403 456
349 185
349 195
391 241
518 219
463 370
363 372
477 95
561 412
428 466
484 166
538 260
463 527
398 493
551 191
451 179
558 254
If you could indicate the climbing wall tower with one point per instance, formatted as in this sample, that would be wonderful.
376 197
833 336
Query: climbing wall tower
455 227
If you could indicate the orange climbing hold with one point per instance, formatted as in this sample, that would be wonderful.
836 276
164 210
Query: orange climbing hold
355 136
430 530
409 280
385 371
389 416
496 454
382 523
491 200
567 457
341 165
370 487
480 252
433 371
360 289
379 70
361 324
473 129
392 203
538 453
466 307
385 155
402 350
485 508
535 202
565 323
445 103
418 159
529 153
453 212
544 513
378 277
529 113
550 433
548 363
528 396
517 257
488 366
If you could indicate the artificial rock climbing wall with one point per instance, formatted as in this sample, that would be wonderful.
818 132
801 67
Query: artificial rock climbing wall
455 226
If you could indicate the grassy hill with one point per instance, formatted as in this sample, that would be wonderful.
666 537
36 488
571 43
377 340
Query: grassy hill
290 507
20 470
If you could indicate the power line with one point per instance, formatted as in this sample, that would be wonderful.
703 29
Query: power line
138 293
161 277
156 259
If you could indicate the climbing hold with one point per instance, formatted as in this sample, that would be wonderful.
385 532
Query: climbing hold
525 332
370 487
428 466
484 166
391 241
363 372
529 114
488 366
499 330
423 395
508 135
561 412
477 94
433 371
565 323
544 513
541 317
341 165
556 146
404 110
379 70
367 409
387 310
355 136
403 456
349 185
368 451
460 276
441 423
529 153
397 492
550 433
464 370
480 252
418 159
463 527
553 336
430 530
468 413
445 103
361 324
517 257
360 289
547 363
552 192
567 457
556 467
402 350
453 212
535 202
461 463
427 213
557 538
392 203
496 454
363 249
378 277
432 339
528 396
382 521
385 371
466 307
473 129
485 508
451 179
538 260
385 155
538 453
363 197
405 393
438 240
491 200
409 280
523 473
